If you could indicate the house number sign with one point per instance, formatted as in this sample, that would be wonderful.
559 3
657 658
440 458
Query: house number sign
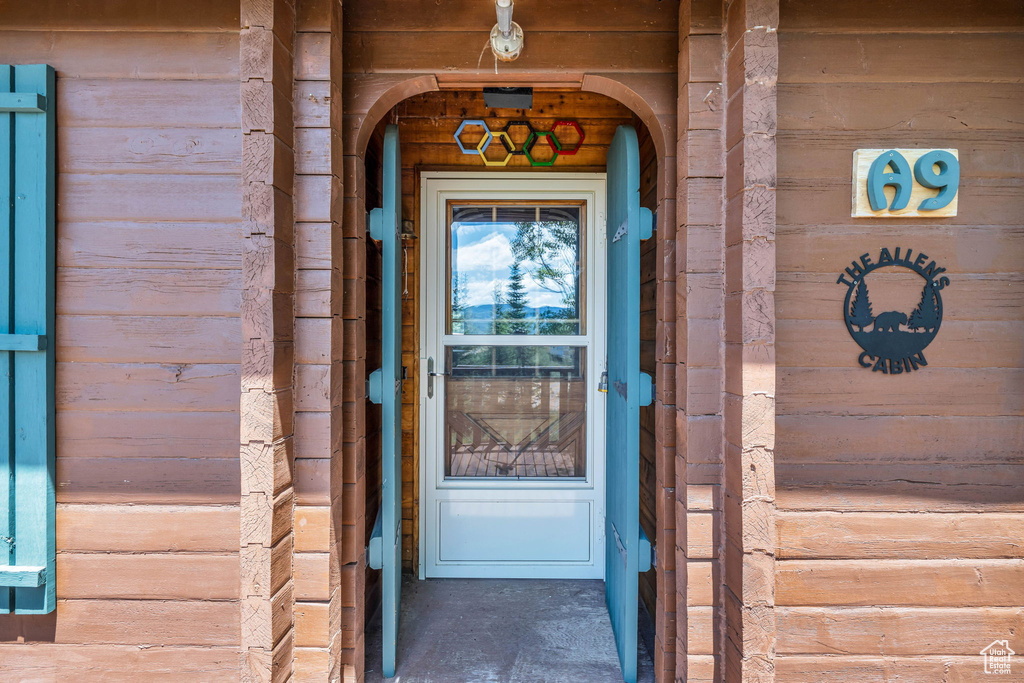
905 183
893 341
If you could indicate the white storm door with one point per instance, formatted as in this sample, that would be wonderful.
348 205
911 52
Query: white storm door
512 339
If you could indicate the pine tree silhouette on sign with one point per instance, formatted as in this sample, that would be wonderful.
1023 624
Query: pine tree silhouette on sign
860 309
926 315
929 309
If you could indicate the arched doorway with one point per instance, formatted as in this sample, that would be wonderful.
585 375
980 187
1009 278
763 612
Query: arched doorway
427 122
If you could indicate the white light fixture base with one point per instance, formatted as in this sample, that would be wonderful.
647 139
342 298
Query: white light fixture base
507 48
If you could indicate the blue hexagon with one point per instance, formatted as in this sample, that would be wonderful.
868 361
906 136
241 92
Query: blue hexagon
473 149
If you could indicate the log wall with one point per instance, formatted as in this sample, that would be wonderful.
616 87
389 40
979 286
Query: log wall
149 282
899 496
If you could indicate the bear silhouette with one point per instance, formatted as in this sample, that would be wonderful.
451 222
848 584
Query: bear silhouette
890 321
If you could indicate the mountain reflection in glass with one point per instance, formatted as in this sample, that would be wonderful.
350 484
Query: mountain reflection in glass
515 411
515 269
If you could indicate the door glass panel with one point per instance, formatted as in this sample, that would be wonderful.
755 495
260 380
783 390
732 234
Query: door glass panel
515 411
515 269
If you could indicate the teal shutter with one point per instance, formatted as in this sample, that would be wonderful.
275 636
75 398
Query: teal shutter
27 253
627 550
386 389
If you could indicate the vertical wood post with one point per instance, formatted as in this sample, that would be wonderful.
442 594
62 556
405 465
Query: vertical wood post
749 504
339 379
699 337
268 273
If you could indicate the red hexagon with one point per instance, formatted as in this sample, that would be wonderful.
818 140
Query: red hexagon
562 147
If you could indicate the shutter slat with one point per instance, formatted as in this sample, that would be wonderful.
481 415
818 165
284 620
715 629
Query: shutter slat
32 261
22 342
30 103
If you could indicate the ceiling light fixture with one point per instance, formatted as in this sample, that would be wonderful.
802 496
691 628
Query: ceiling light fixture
507 35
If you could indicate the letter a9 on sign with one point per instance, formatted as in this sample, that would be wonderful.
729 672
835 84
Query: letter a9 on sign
905 183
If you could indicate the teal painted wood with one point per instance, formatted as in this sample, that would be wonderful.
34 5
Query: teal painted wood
890 168
6 327
375 551
386 226
628 389
30 103
22 577
29 414
22 342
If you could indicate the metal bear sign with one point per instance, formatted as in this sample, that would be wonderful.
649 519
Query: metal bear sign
894 340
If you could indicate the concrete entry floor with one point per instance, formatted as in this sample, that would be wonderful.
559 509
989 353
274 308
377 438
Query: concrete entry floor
503 631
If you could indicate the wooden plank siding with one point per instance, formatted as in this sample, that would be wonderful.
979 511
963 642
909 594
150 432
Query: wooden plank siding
319 357
148 335
900 498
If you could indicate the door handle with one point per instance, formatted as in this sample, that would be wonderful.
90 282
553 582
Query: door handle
431 375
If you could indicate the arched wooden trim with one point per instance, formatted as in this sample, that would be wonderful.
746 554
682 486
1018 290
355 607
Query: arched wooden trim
639 92
400 90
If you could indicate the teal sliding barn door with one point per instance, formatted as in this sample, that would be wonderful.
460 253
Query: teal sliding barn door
386 389
627 550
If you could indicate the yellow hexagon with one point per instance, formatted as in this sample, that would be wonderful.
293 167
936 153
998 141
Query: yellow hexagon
480 149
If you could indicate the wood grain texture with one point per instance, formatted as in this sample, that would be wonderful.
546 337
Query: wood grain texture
405 52
149 291
147 387
119 663
863 439
193 15
182 481
894 630
875 669
131 434
148 339
923 106
901 57
467 15
837 391
115 244
161 104
115 197
147 528
132 622
155 55
165 576
874 535
200 151
921 583
749 379
922 15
